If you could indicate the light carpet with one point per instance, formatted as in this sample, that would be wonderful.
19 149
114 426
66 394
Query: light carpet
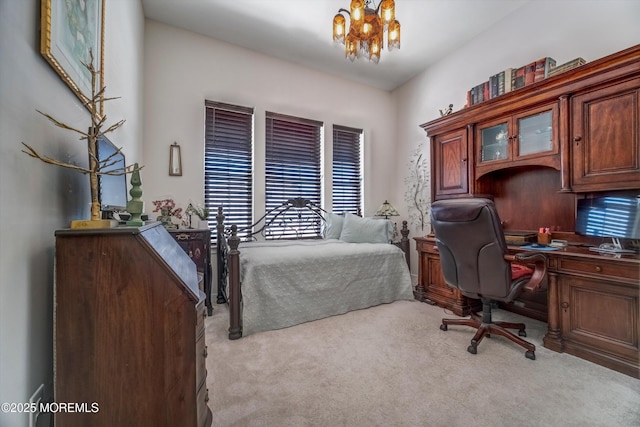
391 365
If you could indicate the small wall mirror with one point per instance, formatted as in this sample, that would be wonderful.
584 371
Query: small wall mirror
175 160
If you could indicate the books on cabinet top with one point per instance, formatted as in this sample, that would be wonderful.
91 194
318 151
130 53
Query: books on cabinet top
514 78
574 63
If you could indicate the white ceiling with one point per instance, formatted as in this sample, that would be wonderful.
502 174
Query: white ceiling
300 31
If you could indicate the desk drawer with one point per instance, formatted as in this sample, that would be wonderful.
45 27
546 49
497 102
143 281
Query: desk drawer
200 315
597 267
201 357
202 407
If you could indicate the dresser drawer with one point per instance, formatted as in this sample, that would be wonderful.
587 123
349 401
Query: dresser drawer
182 235
602 268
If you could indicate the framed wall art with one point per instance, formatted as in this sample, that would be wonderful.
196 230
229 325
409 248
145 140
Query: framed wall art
175 160
72 32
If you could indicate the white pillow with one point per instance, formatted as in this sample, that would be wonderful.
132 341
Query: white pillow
365 230
333 226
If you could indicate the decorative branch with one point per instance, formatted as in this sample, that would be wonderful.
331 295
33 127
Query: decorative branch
33 153
417 193
96 167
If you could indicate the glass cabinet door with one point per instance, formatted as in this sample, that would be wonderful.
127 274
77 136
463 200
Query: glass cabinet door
535 133
494 142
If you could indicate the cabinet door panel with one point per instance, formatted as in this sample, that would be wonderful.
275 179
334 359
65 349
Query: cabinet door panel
606 138
600 315
526 138
450 167
535 134
493 142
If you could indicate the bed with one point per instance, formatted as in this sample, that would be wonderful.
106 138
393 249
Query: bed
313 265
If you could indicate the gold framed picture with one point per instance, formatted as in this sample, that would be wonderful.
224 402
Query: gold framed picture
72 31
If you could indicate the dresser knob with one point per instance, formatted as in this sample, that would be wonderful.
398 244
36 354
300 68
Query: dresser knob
204 353
598 268
564 305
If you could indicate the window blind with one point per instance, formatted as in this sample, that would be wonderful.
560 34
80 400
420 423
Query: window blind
347 175
228 163
292 169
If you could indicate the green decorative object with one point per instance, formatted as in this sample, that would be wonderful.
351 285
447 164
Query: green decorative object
135 206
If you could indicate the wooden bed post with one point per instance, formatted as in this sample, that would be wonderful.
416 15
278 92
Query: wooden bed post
404 243
235 294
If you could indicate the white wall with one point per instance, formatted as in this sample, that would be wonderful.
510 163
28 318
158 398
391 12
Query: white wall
35 198
183 69
561 29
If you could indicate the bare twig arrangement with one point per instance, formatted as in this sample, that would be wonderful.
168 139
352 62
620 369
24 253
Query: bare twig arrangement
417 193
96 167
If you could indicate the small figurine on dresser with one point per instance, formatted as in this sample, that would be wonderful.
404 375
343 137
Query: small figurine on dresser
446 111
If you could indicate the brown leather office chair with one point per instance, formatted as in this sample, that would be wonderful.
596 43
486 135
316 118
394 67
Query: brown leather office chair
474 259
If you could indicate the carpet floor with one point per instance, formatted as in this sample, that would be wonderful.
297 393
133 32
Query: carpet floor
391 365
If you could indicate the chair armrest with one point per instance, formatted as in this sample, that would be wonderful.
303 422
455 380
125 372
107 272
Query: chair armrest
539 263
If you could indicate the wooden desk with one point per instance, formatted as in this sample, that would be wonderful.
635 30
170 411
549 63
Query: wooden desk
593 303
129 329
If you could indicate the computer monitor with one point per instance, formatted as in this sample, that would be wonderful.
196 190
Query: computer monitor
112 189
617 217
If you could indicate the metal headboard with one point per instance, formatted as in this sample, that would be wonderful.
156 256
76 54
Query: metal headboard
296 218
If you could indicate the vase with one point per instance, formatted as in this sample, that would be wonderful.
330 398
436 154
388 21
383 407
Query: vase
165 219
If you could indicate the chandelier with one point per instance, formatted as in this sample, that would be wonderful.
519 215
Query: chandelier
367 26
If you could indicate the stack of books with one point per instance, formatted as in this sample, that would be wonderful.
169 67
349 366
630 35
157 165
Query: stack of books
510 79
574 63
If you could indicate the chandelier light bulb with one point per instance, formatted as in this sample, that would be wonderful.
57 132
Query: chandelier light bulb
388 11
339 27
394 35
357 12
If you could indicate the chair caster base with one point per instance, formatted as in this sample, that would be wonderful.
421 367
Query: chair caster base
530 355
471 349
443 327
522 333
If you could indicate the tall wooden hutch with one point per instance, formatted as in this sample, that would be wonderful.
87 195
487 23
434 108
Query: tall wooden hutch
536 151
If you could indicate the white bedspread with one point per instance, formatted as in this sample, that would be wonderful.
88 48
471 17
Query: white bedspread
286 283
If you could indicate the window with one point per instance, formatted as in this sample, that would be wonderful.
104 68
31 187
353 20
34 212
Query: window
292 169
347 177
227 162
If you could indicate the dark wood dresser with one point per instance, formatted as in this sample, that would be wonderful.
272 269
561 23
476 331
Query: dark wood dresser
197 244
128 329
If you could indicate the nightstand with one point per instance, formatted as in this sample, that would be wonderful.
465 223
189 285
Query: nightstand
197 244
